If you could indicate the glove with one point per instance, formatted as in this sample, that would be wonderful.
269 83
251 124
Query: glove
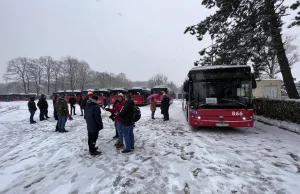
107 109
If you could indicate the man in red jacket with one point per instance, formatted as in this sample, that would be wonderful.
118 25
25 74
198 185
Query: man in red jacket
118 119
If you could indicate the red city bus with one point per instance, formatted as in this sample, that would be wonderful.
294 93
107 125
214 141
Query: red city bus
102 93
219 96
3 98
14 97
114 93
139 95
160 90
26 97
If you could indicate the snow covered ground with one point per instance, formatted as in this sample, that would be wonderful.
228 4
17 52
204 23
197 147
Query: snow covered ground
170 157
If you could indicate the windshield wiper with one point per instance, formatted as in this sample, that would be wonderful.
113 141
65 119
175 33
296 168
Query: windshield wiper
239 103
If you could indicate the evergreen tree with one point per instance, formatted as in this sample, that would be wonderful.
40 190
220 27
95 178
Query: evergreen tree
241 29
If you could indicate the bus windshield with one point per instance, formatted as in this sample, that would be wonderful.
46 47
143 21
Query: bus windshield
221 93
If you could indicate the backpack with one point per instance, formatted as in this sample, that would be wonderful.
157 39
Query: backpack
136 114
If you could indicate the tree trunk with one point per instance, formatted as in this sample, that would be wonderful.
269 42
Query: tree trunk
280 51
48 83
24 85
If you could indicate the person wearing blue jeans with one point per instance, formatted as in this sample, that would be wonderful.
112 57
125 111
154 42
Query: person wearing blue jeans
62 120
127 116
128 137
119 127
61 107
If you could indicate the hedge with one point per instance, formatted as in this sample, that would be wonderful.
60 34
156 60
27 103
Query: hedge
282 110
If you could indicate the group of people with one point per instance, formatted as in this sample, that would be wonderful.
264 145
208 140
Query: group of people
43 106
165 104
121 113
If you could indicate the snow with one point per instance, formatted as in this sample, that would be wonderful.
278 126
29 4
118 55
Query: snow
169 157
293 127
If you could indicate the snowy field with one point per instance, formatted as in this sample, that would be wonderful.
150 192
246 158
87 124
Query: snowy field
170 157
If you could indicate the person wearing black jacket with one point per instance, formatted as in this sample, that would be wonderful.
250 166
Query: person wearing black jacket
72 102
79 102
55 112
32 108
165 104
127 115
94 123
43 106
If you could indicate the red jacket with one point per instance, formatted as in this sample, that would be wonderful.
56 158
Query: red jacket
117 109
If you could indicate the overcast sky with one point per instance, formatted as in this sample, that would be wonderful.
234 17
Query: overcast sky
137 37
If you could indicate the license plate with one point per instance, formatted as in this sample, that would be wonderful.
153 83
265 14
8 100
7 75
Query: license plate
222 124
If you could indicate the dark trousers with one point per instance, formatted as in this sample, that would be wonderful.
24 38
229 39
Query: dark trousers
43 114
92 138
72 108
117 135
166 113
152 114
32 112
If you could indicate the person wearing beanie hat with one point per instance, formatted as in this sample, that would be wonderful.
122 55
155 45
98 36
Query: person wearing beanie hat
118 120
94 123
90 94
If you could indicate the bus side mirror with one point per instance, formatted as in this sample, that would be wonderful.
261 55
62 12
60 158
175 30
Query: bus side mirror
254 85
186 86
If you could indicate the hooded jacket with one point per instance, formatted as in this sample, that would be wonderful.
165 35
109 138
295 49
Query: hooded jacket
165 103
126 113
61 107
93 116
31 105
42 103
117 108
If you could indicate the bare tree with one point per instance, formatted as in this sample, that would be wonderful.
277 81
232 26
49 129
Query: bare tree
48 63
17 71
272 66
72 66
84 69
35 71
158 79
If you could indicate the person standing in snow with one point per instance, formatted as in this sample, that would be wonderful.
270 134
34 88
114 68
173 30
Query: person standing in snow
43 106
72 102
55 112
127 116
79 102
84 101
118 120
108 101
32 108
165 104
61 107
153 107
94 123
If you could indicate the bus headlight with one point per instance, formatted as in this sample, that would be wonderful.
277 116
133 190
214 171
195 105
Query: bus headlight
199 117
244 118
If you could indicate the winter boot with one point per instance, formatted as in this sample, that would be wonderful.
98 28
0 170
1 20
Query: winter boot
96 153
119 146
117 143
126 151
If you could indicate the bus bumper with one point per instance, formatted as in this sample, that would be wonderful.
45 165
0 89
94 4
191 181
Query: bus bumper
211 123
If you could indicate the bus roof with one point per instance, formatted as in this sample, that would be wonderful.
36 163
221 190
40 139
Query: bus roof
119 89
76 90
160 86
136 88
103 90
219 67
